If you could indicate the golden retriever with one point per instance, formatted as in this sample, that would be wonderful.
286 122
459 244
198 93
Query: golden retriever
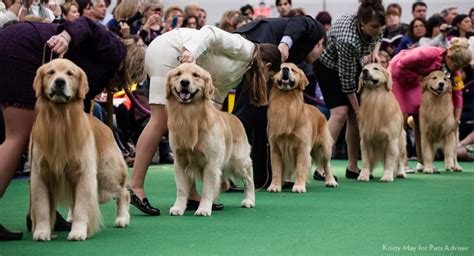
437 123
74 158
297 132
380 119
208 144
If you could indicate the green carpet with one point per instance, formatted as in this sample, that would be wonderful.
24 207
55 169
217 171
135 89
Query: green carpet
424 214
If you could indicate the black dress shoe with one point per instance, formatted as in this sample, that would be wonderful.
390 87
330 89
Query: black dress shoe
353 175
320 177
142 205
60 225
194 205
288 184
7 235
167 158
234 188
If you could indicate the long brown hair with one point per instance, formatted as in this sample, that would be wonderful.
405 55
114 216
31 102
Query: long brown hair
132 68
263 53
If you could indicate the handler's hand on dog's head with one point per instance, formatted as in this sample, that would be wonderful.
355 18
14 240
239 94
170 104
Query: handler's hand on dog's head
187 57
58 44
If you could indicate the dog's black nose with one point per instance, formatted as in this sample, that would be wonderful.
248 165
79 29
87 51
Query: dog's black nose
59 83
441 85
285 71
184 83
365 71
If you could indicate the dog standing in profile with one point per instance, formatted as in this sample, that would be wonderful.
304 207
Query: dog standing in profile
297 132
208 144
437 123
75 160
380 119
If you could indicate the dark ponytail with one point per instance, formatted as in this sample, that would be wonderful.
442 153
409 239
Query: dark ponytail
371 10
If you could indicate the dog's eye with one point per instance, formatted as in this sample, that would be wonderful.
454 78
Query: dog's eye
376 68
434 78
50 72
195 75
69 73
179 73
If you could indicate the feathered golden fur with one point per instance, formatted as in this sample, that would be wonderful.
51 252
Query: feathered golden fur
297 132
207 143
74 158
437 123
380 119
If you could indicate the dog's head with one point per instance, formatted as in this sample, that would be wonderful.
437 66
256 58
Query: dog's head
188 83
290 77
60 81
374 76
437 83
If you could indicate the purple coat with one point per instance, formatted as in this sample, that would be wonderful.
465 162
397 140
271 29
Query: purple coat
97 51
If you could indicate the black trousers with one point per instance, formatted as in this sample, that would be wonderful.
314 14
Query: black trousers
254 120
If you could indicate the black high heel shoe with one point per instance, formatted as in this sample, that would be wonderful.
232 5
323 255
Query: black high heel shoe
60 225
8 235
142 205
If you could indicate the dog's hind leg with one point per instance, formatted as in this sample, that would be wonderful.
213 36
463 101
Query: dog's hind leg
323 160
122 215
402 158
249 187
40 206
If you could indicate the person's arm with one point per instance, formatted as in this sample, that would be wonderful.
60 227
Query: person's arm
105 45
347 63
234 45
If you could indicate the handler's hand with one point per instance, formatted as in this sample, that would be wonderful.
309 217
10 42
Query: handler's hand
59 44
284 51
187 57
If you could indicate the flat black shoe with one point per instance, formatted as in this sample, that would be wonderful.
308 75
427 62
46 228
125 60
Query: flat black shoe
353 175
142 205
194 205
234 188
320 177
287 184
8 235
60 225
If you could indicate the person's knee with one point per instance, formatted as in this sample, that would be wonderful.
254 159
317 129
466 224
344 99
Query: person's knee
339 114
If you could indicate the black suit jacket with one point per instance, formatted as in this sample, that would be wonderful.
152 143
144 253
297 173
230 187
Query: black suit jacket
303 30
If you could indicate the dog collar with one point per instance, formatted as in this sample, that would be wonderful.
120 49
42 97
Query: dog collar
446 71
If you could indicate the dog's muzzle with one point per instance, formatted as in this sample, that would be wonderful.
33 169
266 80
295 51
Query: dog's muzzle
285 82
367 78
438 89
57 93
184 95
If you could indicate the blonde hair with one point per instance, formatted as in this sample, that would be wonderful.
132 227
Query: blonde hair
459 51
125 9
226 22
132 68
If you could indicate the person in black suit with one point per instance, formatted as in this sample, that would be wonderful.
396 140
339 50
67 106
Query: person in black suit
299 39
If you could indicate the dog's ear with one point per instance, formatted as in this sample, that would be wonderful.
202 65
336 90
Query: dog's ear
168 83
208 85
303 81
389 82
38 82
359 85
424 83
83 84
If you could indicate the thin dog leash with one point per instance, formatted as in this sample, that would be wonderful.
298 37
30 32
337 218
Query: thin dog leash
43 60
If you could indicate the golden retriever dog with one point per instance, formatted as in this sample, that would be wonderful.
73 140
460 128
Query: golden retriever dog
380 119
74 158
297 132
208 144
437 123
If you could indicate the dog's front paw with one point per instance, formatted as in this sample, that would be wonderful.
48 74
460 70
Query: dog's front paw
387 178
457 168
332 183
122 221
248 203
77 235
274 188
363 177
428 170
201 211
176 211
298 189
41 235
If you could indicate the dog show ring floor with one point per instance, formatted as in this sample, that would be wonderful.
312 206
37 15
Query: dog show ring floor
422 215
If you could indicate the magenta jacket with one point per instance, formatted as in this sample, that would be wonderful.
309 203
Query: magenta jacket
408 69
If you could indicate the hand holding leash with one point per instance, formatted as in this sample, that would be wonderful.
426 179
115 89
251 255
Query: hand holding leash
187 57
284 51
59 44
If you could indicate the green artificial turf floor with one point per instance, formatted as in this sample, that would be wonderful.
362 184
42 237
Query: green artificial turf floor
421 215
